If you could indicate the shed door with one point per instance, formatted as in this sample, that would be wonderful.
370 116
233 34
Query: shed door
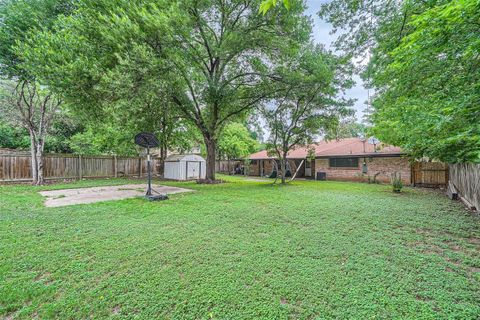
193 170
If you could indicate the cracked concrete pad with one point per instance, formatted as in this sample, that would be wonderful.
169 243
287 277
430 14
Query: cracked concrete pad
68 197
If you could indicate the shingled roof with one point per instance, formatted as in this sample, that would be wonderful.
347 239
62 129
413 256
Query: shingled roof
337 148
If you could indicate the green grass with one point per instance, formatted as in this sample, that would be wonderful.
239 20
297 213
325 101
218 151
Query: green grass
241 250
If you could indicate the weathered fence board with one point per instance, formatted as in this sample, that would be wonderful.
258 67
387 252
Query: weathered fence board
17 167
227 166
430 174
60 166
466 178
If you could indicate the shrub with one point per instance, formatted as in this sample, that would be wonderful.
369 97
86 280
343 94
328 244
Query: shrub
397 183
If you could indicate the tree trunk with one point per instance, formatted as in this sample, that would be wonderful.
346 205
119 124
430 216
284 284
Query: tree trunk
40 147
33 152
163 156
283 166
211 145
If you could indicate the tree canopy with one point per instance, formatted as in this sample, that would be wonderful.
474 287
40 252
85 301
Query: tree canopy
429 94
236 142
347 128
424 66
213 54
266 5
19 19
29 103
307 100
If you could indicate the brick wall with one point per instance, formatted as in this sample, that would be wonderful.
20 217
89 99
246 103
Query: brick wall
383 166
268 167
255 169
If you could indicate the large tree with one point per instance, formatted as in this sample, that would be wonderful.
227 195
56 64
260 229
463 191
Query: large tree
424 66
429 94
26 104
27 101
307 102
14 135
215 54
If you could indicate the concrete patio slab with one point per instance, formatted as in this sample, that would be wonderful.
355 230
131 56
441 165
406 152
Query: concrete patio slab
68 197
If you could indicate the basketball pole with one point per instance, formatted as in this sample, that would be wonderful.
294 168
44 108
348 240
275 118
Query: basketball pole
148 140
149 189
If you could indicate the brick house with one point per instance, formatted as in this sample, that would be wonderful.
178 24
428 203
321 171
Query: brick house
349 159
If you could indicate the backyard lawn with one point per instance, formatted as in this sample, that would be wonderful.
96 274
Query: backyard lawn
240 250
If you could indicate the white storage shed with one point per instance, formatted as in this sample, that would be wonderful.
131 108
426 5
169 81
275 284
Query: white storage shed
185 167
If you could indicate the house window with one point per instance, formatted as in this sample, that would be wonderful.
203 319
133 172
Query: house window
343 162
253 162
308 164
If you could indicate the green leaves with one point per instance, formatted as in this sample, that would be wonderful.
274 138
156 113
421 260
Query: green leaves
424 66
20 19
266 5
306 102
236 142
429 69
209 58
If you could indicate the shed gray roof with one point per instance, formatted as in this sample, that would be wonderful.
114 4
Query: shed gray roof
184 157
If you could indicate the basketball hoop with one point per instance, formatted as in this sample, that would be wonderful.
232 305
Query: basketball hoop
148 140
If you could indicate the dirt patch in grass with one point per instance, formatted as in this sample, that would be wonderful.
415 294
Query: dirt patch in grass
433 249
456 248
474 269
116 310
10 316
39 277
474 240
453 247
43 277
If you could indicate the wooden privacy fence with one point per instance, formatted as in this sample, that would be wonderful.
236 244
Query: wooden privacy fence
466 179
17 167
227 166
429 174
222 166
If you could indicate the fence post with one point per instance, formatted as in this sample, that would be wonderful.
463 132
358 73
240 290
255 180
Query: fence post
115 171
80 173
447 174
139 167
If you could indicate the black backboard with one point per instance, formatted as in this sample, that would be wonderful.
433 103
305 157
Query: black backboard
146 140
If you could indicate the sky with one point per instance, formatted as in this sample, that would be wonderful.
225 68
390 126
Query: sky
321 34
